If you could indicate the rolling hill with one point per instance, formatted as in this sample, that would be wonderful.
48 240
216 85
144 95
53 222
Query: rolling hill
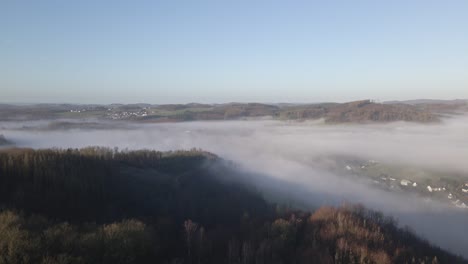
352 112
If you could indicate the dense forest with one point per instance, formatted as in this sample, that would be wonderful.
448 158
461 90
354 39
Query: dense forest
99 205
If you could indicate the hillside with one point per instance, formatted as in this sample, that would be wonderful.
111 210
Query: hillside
437 106
359 112
354 112
97 205
4 141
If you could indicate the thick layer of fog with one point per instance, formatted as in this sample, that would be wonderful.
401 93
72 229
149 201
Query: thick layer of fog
300 153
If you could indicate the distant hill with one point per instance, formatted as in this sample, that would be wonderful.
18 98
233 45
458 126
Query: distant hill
97 205
437 106
364 111
428 101
359 112
352 112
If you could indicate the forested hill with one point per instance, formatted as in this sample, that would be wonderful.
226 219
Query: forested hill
97 205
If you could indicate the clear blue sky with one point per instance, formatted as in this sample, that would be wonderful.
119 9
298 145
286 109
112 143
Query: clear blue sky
217 51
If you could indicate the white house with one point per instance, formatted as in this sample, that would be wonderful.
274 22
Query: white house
405 182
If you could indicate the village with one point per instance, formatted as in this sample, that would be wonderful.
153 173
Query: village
114 113
435 187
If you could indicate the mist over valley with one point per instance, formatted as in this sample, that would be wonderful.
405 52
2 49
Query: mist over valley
415 172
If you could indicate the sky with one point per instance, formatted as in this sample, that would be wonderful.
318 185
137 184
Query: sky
224 51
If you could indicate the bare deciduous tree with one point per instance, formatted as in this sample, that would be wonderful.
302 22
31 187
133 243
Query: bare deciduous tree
190 228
